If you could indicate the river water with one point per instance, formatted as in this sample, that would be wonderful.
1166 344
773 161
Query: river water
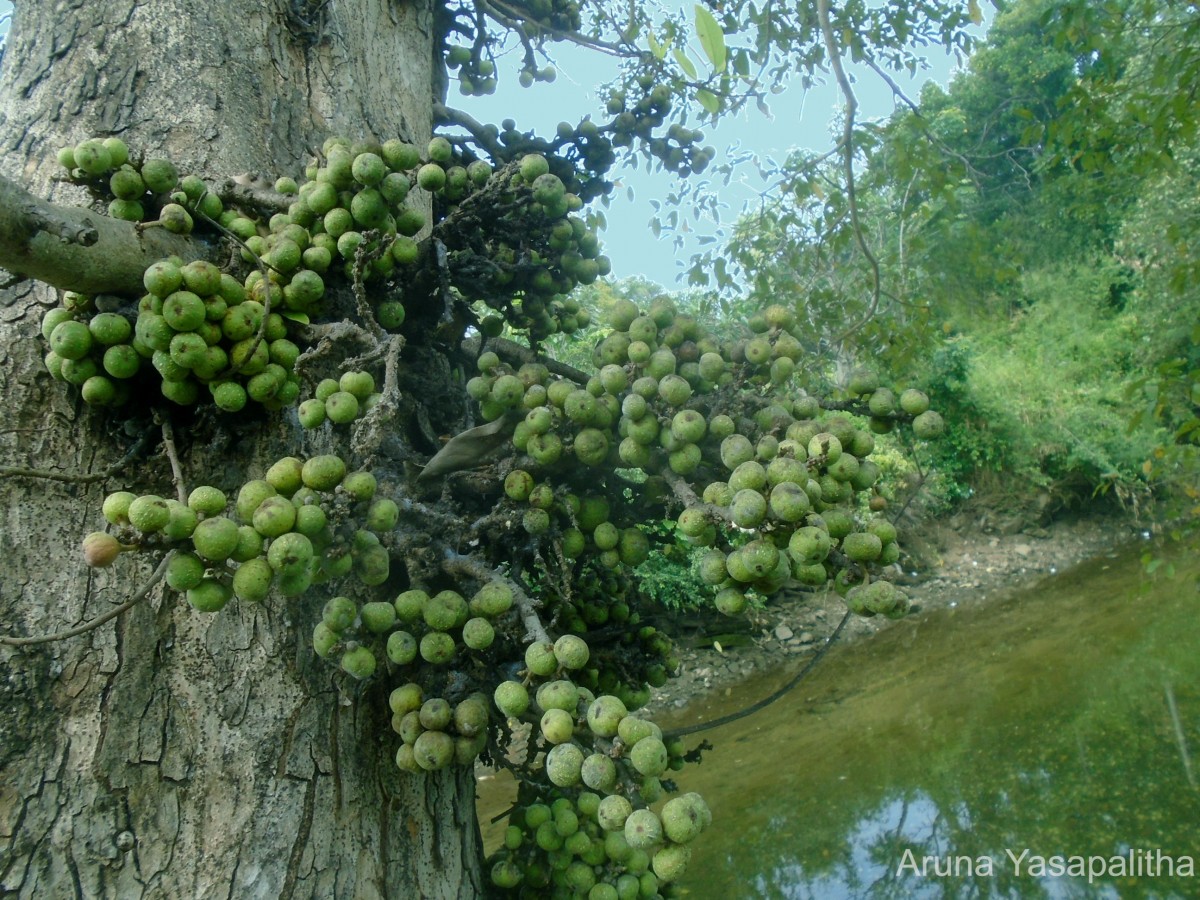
958 752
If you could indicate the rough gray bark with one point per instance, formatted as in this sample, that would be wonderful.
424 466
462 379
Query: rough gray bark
167 753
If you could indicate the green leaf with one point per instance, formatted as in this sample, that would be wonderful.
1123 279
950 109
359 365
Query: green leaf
684 63
300 317
975 12
709 101
659 51
712 38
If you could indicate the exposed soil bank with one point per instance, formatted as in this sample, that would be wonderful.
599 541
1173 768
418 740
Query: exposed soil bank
955 563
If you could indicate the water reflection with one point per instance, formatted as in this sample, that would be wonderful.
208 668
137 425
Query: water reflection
1060 722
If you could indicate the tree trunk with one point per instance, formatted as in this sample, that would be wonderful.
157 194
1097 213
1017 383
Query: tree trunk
169 753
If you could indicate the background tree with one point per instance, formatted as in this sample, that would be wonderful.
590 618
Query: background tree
1020 281
149 749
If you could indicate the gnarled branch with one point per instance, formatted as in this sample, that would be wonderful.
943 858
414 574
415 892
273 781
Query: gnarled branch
75 249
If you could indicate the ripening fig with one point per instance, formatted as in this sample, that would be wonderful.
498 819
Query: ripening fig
378 616
207 501
749 509
175 219
560 694
478 633
605 714
862 546
148 513
670 861
683 818
613 812
209 595
492 600
642 829
633 729
249 544
275 516
401 648
730 601
182 522
437 648
928 425
323 473
914 402
252 580
511 698
434 714
359 663
406 698
289 553
100 549
184 571
557 726
564 764
410 605
649 756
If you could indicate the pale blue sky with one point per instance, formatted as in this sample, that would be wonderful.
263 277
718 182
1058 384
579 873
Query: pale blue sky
799 120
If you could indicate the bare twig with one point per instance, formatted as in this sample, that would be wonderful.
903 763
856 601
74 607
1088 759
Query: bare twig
835 62
509 17
168 439
133 601
370 430
518 354
770 698
362 258
685 495
528 607
77 477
